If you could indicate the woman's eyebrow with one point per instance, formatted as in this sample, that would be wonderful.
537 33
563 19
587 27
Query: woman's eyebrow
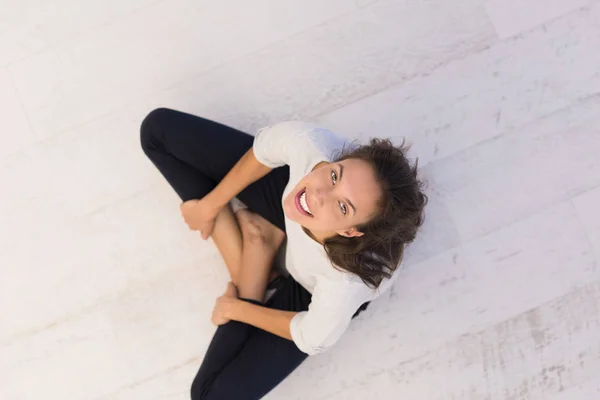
345 199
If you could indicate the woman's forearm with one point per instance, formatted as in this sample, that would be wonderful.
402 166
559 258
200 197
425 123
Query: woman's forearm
246 171
274 321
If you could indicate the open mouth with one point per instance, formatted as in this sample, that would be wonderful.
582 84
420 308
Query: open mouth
302 203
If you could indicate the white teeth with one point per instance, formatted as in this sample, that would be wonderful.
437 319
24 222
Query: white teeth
304 204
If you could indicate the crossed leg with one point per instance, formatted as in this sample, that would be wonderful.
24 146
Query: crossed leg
248 244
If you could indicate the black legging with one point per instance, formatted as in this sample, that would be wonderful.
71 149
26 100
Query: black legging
194 154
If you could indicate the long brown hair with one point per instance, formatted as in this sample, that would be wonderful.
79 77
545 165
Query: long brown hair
376 255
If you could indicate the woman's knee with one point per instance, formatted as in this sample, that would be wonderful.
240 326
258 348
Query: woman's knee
199 388
151 125
204 389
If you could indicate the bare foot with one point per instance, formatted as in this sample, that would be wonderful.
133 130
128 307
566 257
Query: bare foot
258 230
261 242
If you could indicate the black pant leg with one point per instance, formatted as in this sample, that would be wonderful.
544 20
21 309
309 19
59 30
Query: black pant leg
261 362
194 154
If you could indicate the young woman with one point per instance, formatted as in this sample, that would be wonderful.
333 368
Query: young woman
347 213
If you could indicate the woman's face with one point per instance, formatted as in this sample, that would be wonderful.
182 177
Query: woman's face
334 198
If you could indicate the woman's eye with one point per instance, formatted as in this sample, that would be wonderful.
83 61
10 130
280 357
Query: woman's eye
333 177
343 208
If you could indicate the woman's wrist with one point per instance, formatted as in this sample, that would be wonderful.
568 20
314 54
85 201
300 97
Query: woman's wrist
236 310
213 202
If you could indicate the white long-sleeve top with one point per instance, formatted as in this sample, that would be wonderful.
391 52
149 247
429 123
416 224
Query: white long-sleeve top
336 294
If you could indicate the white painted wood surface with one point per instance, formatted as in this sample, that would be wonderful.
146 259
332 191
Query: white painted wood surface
106 295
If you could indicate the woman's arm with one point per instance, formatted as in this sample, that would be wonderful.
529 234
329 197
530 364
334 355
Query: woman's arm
274 321
230 308
315 330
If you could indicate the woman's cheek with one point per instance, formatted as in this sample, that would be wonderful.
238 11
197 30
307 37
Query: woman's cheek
324 221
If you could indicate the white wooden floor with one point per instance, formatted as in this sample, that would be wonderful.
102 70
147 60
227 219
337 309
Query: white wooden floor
105 294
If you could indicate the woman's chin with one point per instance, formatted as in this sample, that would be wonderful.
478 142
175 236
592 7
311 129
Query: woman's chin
288 216
294 217
290 212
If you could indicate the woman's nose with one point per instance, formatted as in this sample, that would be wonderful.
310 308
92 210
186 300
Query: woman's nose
321 196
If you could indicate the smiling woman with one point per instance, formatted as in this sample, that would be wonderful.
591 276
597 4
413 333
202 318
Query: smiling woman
347 212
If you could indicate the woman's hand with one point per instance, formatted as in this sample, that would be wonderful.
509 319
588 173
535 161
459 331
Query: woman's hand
223 307
200 215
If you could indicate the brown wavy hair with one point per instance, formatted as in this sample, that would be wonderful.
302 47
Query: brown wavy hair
376 255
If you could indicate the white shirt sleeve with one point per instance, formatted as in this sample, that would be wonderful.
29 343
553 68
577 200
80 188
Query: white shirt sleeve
294 143
328 316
